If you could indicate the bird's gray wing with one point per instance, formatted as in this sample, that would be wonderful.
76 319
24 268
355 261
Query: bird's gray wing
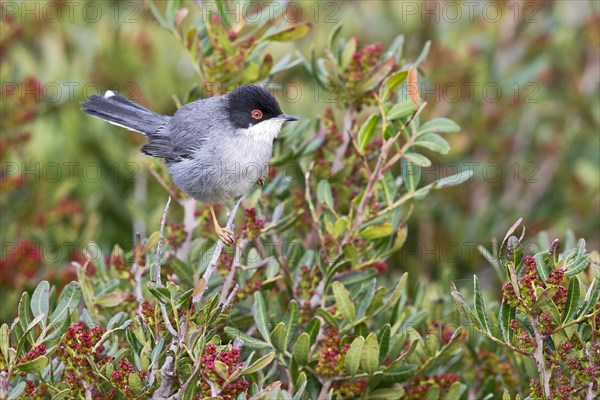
187 131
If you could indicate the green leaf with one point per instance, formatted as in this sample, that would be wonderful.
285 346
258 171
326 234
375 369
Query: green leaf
395 296
367 130
580 260
378 73
333 36
291 322
301 349
453 180
135 382
369 359
34 366
433 393
544 298
69 300
259 312
591 298
278 337
418 159
324 194
395 393
156 350
507 313
259 364
377 231
411 175
401 110
540 265
313 329
4 341
343 302
24 317
353 355
573 299
289 34
59 330
347 53
391 83
249 342
433 142
40 301
463 308
384 342
453 392
480 306
17 390
161 293
376 301
399 374
437 125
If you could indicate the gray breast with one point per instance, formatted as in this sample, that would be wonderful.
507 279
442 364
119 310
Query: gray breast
223 169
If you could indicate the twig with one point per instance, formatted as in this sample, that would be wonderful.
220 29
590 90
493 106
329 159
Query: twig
156 279
239 249
538 356
215 257
160 243
166 376
230 297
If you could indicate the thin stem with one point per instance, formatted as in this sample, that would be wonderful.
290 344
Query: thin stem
210 269
160 243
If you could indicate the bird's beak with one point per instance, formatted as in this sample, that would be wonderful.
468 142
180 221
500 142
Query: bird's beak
286 117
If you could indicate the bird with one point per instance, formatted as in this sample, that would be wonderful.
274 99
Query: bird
215 148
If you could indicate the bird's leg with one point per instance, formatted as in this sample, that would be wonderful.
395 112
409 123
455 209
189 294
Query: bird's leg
261 181
225 235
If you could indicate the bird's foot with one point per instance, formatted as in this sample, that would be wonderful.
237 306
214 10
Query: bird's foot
225 235
261 182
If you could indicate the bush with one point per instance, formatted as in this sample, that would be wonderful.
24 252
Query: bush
300 308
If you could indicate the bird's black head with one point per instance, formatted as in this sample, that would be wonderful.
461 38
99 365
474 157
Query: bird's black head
249 105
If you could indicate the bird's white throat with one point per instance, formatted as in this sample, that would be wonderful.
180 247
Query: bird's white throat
265 131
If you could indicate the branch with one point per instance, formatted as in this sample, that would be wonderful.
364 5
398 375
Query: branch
239 249
166 376
156 279
203 284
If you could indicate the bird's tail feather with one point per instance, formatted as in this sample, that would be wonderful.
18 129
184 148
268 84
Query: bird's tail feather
118 110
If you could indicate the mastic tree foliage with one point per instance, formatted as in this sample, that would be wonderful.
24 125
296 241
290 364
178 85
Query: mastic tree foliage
298 308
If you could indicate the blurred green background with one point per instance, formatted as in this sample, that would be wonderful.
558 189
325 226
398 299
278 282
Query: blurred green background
521 79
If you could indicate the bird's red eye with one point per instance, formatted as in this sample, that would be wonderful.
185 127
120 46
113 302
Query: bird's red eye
256 114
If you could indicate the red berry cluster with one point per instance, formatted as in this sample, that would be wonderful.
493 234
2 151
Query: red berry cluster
331 355
350 389
230 358
522 338
420 385
363 61
34 353
120 377
148 312
77 352
252 224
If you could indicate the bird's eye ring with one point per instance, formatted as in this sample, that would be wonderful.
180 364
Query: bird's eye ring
256 114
